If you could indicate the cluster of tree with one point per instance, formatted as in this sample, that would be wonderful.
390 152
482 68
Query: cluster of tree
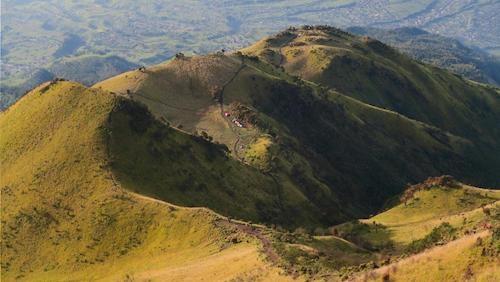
439 235
180 56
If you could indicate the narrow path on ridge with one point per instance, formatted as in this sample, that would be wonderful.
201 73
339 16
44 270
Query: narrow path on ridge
221 103
253 230
268 173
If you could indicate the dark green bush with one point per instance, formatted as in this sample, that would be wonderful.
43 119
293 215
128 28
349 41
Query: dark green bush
441 234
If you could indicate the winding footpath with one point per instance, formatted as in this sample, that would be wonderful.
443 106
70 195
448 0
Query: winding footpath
221 104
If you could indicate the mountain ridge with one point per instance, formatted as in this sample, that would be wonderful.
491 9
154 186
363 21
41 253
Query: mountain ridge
111 224
189 111
176 163
108 225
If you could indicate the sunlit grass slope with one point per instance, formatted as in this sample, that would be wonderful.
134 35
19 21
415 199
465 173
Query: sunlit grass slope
430 205
471 258
64 217
403 243
322 257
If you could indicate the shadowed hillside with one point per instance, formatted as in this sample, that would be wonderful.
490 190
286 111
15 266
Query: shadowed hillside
377 74
311 139
65 217
152 159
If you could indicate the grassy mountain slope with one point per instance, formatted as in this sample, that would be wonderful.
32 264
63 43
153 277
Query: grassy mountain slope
461 206
372 72
71 156
64 216
317 143
86 173
464 259
149 158
404 242
443 52
424 208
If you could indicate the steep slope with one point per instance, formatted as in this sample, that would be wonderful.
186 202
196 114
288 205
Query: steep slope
315 142
64 216
425 206
151 159
403 243
86 174
443 52
375 73
440 205
471 258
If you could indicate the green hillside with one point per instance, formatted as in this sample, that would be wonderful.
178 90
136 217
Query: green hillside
64 216
372 72
439 230
90 69
232 167
72 158
458 223
314 141
426 206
